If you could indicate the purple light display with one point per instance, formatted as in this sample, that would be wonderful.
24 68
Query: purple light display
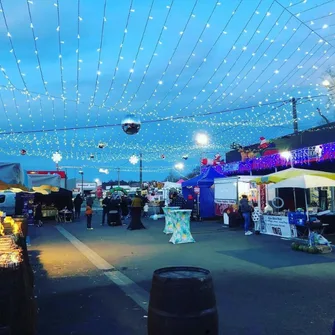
304 156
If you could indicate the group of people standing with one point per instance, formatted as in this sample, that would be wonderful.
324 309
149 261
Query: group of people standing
115 209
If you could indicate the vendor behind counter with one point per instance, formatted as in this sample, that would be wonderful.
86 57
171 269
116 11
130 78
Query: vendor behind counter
60 199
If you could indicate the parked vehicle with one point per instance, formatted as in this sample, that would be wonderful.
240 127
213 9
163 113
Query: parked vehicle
7 202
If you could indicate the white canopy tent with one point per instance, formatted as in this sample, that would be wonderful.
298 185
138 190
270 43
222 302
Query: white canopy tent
169 185
305 182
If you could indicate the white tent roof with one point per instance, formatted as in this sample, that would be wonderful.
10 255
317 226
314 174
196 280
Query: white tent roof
304 181
169 184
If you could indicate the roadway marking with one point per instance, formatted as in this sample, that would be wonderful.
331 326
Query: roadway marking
130 288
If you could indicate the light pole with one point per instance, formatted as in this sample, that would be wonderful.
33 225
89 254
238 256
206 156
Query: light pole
141 170
56 157
118 177
81 172
295 115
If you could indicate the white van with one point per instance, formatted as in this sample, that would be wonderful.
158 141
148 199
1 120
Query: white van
7 202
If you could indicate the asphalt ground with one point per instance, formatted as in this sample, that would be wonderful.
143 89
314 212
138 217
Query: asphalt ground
261 285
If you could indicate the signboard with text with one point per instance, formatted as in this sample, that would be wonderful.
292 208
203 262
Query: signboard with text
62 174
278 226
86 186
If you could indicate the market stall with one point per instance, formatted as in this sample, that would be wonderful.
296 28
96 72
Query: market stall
56 203
202 188
228 192
168 189
281 221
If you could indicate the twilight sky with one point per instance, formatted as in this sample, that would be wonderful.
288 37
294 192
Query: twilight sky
72 70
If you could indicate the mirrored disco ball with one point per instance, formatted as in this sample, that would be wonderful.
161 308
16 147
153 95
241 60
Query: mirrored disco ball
131 125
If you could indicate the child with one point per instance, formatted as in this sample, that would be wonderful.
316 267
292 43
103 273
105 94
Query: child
145 210
88 214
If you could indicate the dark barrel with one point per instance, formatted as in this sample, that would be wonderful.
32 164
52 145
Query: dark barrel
182 302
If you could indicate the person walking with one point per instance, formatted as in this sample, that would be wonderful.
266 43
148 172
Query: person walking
245 209
38 215
89 214
105 208
78 201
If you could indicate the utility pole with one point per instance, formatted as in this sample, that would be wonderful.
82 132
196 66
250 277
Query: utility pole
295 116
141 170
118 177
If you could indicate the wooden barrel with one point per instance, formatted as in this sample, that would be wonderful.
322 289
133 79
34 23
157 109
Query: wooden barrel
182 301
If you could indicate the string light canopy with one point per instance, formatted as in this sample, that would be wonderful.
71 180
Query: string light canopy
181 67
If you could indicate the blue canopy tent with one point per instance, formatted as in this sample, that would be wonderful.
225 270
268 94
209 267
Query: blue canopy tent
205 182
207 206
188 186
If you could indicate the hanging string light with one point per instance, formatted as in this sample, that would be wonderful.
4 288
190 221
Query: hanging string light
179 78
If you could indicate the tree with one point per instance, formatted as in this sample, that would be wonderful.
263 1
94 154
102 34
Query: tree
172 177
195 172
329 83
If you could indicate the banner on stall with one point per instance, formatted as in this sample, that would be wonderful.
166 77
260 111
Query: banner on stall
222 205
278 226
262 196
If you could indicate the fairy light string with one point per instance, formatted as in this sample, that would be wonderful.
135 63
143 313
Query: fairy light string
220 35
125 31
203 88
181 35
42 116
142 80
133 66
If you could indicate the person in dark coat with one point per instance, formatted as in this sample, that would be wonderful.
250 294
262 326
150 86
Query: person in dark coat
105 208
178 201
114 218
89 201
136 211
38 215
78 201
245 209
124 207
190 205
